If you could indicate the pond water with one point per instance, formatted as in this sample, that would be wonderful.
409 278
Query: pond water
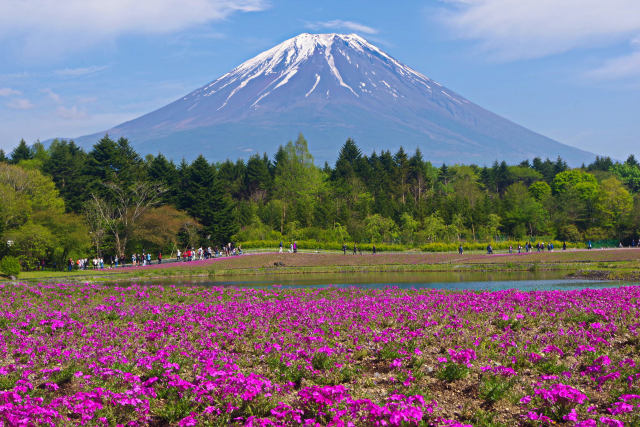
523 280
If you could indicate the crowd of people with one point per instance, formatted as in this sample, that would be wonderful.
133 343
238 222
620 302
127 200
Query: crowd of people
192 254
146 258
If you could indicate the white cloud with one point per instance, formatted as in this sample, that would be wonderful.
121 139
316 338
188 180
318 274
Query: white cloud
516 29
6 91
52 95
72 113
45 25
340 24
20 104
618 68
82 71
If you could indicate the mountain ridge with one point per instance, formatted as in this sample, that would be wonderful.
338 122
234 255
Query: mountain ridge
331 87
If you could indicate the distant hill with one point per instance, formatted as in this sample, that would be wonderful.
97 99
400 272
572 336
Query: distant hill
330 87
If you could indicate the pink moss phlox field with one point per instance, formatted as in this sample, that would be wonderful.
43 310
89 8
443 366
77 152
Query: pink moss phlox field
152 355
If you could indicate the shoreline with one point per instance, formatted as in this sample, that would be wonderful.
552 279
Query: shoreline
614 264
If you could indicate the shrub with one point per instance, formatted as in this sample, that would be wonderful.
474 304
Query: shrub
10 266
385 247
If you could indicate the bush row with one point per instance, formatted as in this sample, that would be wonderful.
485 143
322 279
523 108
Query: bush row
385 247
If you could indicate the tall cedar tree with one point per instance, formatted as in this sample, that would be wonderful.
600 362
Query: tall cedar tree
65 165
21 152
162 170
223 224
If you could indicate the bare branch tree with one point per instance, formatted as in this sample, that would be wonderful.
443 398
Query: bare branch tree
127 205
98 216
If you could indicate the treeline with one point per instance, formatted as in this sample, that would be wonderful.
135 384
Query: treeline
61 201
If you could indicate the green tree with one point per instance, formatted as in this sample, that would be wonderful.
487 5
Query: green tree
10 266
576 192
379 228
111 162
222 224
65 165
614 204
540 191
522 213
409 226
258 178
163 171
21 152
297 180
629 173
31 243
199 178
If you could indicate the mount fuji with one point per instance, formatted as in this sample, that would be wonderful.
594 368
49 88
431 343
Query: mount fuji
330 87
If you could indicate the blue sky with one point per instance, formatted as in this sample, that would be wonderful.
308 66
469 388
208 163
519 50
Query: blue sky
569 69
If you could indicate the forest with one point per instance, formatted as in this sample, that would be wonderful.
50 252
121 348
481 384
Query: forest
60 201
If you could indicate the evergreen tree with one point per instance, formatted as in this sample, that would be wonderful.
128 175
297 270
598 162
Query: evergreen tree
631 161
112 162
3 157
181 185
402 173
196 196
222 224
600 164
163 171
66 166
21 152
232 176
257 178
348 161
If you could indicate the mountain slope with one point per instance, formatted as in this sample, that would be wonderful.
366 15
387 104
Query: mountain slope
331 87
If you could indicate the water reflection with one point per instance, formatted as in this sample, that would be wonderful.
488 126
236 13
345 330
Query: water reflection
528 281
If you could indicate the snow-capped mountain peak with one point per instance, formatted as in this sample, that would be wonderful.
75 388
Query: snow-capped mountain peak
331 87
329 64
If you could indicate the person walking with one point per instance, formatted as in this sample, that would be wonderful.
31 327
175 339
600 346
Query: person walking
460 249
280 250
344 248
374 249
355 248
159 257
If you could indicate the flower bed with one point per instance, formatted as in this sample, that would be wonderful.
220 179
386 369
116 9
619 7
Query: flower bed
99 355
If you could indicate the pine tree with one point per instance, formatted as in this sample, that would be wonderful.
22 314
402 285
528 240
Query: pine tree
257 178
348 161
401 163
197 192
222 224
21 152
65 164
163 171
3 157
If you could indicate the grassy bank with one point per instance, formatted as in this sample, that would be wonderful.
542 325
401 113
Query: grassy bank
621 264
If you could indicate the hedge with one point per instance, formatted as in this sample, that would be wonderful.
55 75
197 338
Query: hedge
385 247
